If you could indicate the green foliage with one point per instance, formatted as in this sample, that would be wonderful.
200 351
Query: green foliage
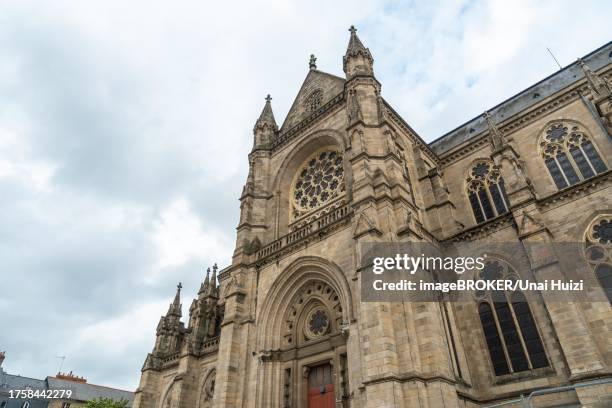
106 403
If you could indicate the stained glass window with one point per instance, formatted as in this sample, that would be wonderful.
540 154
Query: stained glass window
509 328
486 191
569 154
598 252
319 181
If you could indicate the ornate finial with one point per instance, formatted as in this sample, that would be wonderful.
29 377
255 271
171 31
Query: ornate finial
597 84
213 279
495 135
175 306
266 117
357 52
313 62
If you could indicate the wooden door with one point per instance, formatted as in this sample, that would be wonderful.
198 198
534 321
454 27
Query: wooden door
320 387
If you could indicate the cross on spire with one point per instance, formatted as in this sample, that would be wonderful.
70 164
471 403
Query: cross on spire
268 98
179 286
353 30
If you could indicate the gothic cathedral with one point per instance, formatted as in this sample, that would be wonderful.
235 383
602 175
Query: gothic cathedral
283 325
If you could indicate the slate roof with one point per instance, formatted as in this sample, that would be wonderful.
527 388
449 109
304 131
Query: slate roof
86 392
524 99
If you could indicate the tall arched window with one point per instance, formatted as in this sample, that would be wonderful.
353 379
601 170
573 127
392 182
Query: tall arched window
569 154
486 191
508 325
599 251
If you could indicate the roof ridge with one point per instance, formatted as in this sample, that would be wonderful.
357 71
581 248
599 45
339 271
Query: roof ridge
90 384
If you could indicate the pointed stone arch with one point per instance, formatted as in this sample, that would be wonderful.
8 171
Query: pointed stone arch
290 165
166 400
325 280
206 389
569 152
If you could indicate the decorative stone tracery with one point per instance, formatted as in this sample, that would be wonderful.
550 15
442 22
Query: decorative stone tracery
314 312
486 191
598 251
569 154
313 100
318 182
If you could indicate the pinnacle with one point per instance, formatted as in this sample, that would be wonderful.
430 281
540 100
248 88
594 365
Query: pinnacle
175 306
267 117
355 45
354 53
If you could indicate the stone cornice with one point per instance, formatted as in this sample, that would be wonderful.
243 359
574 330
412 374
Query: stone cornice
483 229
576 191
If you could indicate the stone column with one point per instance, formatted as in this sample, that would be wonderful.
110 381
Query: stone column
580 351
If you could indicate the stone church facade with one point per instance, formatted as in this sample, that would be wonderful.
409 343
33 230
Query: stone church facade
283 325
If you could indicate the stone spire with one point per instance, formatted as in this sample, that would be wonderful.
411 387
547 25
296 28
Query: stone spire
211 289
358 59
313 62
204 284
266 117
265 127
495 135
213 279
175 306
598 85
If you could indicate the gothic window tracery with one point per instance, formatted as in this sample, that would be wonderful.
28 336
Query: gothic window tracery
318 182
569 154
486 191
598 251
511 334
313 313
313 100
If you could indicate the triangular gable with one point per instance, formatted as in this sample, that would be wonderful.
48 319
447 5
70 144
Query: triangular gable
328 85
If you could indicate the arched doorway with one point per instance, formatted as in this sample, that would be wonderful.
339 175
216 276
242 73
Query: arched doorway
303 339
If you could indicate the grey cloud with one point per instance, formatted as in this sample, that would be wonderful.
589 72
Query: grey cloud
137 105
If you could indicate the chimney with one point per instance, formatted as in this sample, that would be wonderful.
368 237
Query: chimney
70 377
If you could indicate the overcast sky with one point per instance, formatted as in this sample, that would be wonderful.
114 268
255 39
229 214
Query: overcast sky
125 128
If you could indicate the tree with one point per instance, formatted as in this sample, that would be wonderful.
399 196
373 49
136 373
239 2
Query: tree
107 403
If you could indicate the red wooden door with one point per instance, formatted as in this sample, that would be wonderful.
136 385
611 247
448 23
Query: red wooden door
320 387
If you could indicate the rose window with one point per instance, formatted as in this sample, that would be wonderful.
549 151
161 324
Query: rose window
320 180
317 323
602 232
313 101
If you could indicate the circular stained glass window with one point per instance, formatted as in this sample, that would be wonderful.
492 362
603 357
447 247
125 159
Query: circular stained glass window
602 231
317 323
319 181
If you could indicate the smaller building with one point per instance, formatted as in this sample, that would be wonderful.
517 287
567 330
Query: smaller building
10 382
81 390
